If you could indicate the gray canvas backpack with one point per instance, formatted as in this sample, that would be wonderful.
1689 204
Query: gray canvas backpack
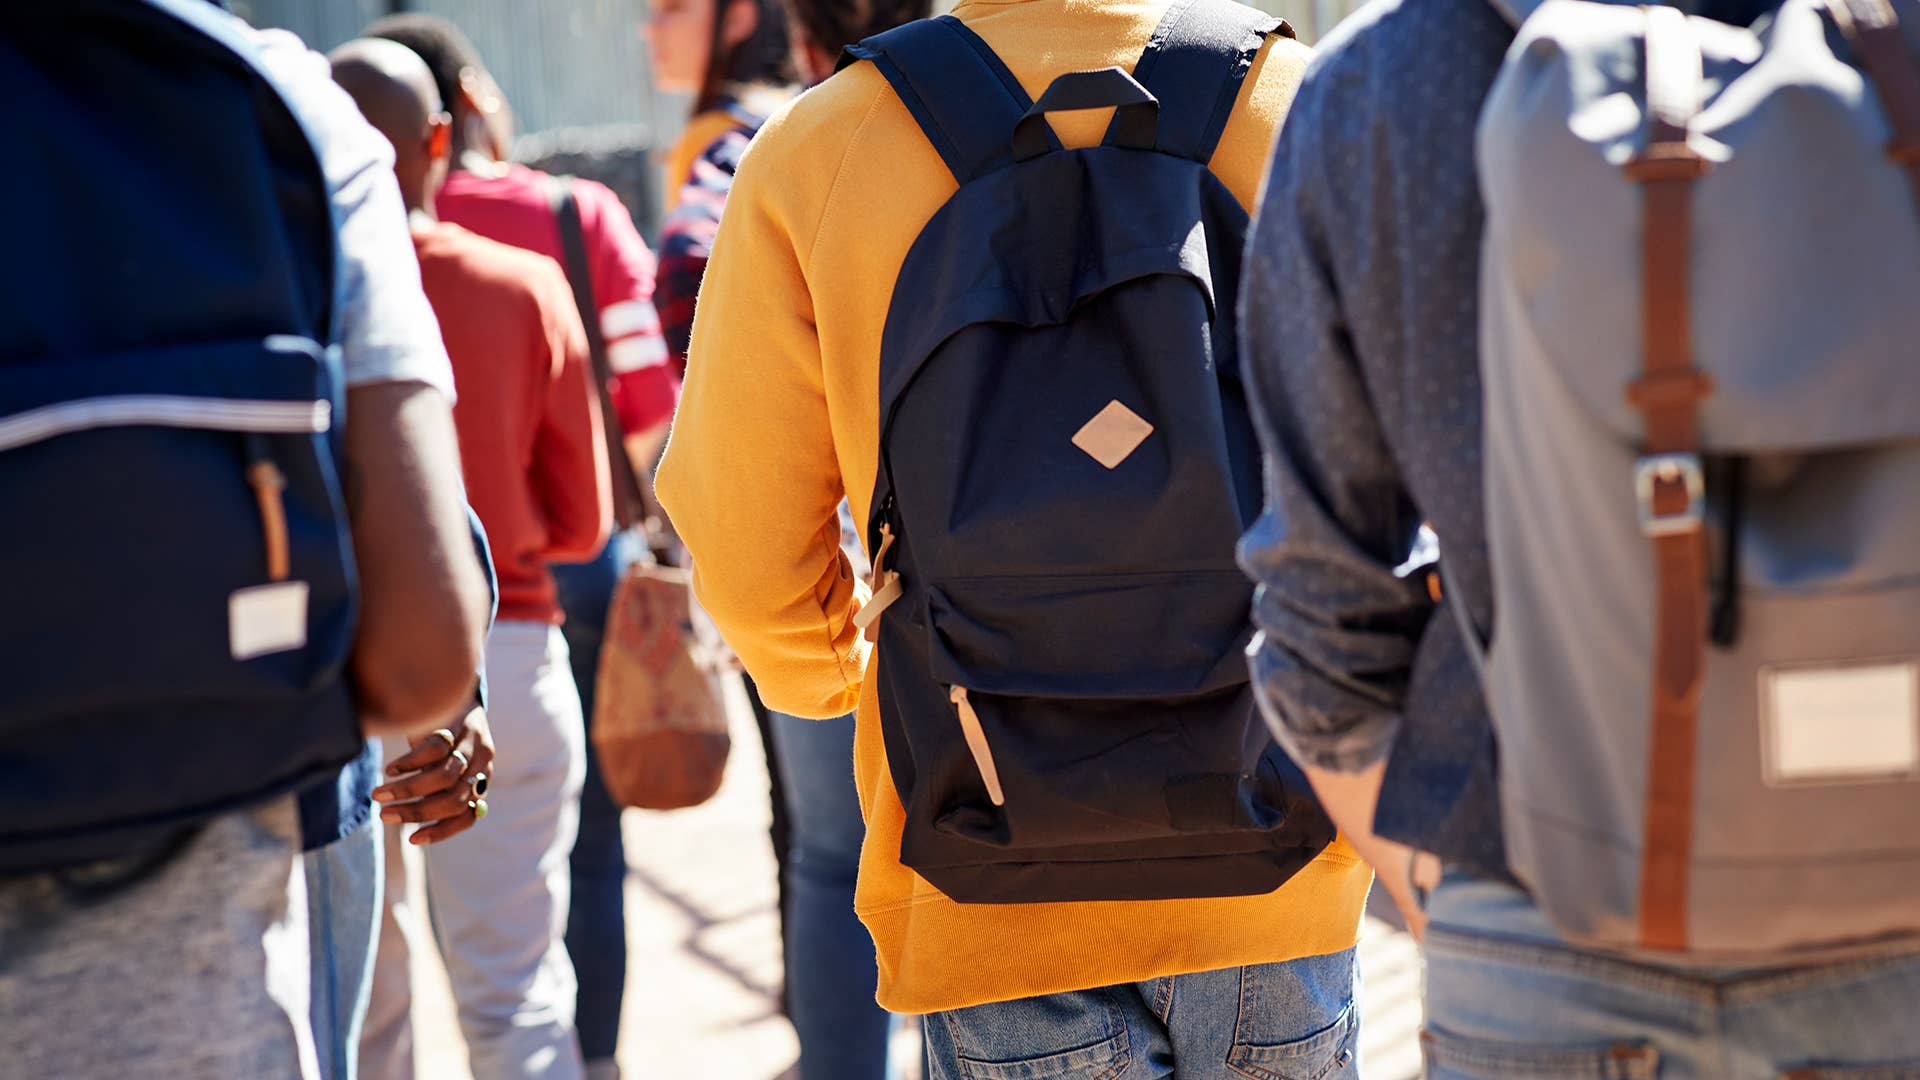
1701 348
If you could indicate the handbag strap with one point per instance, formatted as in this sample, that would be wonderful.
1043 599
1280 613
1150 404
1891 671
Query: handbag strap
629 501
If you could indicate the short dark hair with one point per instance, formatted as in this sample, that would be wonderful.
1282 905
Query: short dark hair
440 43
835 24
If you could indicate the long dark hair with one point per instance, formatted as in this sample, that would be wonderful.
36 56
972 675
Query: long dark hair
763 58
833 25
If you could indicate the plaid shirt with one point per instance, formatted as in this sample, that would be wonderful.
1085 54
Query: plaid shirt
686 240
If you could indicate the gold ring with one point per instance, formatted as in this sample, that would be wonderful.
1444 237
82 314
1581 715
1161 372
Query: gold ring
479 808
452 743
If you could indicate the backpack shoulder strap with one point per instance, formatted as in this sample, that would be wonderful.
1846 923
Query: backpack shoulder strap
1194 63
959 92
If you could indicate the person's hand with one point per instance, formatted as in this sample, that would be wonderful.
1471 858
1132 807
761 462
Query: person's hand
1421 876
1406 874
440 783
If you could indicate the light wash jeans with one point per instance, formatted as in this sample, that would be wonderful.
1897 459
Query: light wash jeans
831 972
1508 997
1291 1021
343 926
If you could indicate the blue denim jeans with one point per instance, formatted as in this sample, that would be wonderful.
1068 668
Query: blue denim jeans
1507 996
831 972
596 916
344 881
1291 1021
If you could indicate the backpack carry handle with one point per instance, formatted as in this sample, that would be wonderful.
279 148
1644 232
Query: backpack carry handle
1136 116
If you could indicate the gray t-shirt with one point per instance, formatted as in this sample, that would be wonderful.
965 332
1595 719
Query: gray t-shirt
386 330
383 324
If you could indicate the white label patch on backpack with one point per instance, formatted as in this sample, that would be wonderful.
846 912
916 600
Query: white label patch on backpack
267 619
1113 434
1838 724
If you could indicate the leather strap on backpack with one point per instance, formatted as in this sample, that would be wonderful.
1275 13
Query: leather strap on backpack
1669 480
1874 32
629 501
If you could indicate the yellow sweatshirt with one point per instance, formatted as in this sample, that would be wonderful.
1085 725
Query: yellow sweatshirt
780 418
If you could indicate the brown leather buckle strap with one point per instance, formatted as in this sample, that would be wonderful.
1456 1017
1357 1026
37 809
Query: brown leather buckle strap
1874 31
1668 482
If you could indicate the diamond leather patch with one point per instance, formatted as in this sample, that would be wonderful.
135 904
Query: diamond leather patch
1113 434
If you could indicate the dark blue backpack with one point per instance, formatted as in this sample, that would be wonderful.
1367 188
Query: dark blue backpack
1066 464
181 590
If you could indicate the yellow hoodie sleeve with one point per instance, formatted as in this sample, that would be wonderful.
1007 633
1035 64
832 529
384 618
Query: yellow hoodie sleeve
749 476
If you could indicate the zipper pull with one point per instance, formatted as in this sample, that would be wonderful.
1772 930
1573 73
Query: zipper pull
884 588
269 492
977 745
880 553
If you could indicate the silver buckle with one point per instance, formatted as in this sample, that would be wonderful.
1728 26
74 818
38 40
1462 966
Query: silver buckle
1656 469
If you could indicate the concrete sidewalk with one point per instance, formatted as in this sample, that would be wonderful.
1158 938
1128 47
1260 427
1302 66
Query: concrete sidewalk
704 955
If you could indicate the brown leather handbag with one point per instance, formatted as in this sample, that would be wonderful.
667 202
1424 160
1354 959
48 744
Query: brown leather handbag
660 716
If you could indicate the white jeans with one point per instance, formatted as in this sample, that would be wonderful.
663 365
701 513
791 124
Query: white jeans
497 894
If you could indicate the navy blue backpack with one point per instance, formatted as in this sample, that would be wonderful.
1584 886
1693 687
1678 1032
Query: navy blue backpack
1066 464
181 592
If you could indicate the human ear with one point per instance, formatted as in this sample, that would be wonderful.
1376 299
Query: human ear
742 19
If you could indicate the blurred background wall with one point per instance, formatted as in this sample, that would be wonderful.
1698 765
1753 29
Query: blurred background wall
576 72
563 63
